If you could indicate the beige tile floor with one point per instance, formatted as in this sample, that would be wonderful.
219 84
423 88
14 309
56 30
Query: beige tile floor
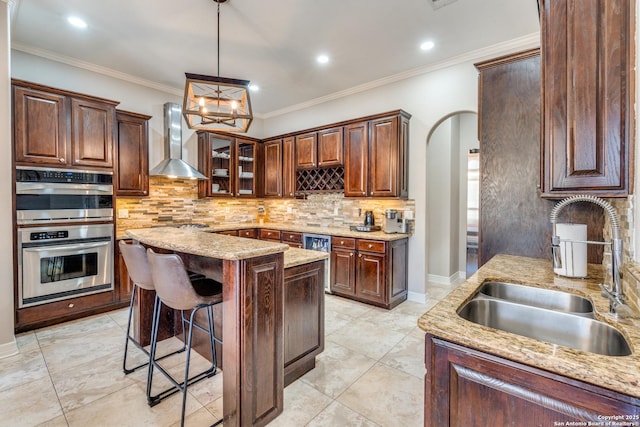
370 374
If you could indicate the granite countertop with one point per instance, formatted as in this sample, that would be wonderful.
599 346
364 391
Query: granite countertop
615 373
221 246
331 231
205 244
294 257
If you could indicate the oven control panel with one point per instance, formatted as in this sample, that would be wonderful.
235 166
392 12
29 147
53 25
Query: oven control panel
48 235
63 176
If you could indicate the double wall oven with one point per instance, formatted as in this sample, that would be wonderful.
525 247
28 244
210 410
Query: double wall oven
65 234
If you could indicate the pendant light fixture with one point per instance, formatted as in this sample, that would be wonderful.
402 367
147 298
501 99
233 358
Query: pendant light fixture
217 103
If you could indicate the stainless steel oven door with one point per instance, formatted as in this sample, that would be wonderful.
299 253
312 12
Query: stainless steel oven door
51 271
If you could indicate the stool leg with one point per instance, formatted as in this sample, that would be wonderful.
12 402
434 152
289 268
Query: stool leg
212 340
154 342
126 343
186 370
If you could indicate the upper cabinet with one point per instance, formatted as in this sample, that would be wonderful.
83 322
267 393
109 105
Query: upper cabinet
273 171
132 159
319 149
376 156
60 128
587 88
230 163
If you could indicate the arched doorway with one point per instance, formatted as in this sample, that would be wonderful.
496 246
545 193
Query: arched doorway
452 197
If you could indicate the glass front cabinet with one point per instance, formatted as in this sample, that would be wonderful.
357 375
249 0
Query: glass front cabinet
230 165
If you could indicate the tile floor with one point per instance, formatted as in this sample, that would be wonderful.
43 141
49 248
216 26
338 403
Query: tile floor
370 374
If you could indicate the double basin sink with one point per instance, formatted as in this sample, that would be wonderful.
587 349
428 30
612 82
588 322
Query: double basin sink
547 315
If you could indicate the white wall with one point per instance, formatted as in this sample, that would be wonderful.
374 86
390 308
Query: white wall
7 341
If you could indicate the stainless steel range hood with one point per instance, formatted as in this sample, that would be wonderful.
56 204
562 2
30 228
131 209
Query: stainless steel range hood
173 166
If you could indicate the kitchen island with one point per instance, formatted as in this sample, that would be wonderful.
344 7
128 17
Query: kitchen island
476 374
253 276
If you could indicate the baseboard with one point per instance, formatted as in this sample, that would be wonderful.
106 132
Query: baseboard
8 349
457 277
417 297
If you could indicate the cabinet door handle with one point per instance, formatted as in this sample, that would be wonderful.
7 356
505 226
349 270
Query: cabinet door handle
342 242
364 193
71 305
351 254
359 255
61 159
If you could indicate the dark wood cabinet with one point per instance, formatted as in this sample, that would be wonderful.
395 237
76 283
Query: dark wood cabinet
228 232
306 150
250 233
132 154
343 266
376 157
61 128
273 171
356 168
271 235
587 97
288 167
370 271
330 148
230 163
466 387
292 238
92 135
40 127
303 318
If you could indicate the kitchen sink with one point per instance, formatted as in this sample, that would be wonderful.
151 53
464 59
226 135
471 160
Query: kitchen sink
556 327
538 297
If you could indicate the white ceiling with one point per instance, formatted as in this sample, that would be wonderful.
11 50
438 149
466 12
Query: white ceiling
271 43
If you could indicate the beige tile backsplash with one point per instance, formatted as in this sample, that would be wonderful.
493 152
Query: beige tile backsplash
174 201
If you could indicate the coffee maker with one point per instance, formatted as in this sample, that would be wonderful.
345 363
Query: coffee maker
394 222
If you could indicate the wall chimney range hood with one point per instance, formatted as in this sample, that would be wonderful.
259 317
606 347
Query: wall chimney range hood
173 166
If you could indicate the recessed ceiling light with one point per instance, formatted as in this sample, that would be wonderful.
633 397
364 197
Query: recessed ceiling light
77 22
427 45
322 59
254 88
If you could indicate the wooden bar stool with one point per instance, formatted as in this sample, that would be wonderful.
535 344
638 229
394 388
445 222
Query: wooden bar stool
176 290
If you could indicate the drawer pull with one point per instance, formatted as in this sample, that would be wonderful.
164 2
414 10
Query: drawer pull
342 242
71 305
370 245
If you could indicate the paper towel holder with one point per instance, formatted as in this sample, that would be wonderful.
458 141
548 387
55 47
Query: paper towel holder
615 292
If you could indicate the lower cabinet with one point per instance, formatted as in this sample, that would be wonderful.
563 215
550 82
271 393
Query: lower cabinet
465 387
370 271
303 318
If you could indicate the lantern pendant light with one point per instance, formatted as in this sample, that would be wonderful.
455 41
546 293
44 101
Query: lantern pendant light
217 103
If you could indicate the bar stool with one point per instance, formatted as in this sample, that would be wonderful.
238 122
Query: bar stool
135 258
176 290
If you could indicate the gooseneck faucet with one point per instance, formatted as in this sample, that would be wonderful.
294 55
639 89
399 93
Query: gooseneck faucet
615 294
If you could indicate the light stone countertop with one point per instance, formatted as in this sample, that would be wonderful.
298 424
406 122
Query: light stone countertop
294 257
331 231
221 246
621 373
205 244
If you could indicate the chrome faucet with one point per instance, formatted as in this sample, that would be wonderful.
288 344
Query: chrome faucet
615 293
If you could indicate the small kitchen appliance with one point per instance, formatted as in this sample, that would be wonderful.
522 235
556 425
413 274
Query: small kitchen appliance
368 219
394 222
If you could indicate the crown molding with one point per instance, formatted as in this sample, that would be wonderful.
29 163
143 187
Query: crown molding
95 68
526 42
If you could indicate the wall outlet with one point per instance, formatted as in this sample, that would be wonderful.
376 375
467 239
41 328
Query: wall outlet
123 213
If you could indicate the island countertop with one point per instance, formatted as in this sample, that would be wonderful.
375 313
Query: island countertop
221 246
621 374
205 244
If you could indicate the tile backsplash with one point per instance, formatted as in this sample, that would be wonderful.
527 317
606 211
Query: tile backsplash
175 201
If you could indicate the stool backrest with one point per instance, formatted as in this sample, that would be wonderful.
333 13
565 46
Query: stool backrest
135 258
172 281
